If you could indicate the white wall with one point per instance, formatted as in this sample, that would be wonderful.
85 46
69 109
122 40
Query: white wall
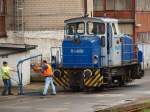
12 61
44 39
146 53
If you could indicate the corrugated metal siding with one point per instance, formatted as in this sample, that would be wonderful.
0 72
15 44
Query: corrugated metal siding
121 9
98 5
143 5
119 4
126 29
110 4
143 37
143 21
2 18
123 4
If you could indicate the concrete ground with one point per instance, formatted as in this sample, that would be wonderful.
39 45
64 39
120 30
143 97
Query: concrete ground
32 101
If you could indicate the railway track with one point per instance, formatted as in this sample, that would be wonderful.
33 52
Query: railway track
140 107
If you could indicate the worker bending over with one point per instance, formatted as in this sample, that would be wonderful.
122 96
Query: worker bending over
47 72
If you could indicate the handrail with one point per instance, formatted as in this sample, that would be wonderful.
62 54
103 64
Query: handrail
20 74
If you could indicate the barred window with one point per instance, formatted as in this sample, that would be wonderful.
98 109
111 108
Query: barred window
123 4
119 4
98 5
143 36
143 5
110 4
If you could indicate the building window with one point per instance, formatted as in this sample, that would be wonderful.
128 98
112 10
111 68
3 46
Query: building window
118 4
98 5
126 28
123 4
2 7
143 36
143 5
110 4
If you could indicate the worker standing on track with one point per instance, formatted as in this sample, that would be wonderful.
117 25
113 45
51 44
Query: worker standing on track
5 73
47 72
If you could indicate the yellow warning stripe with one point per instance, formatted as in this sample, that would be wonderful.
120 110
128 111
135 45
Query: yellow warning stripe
65 78
64 82
66 72
99 82
85 80
95 79
97 72
57 81
90 80
67 81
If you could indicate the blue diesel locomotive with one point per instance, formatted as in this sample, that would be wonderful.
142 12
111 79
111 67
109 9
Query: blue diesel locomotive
95 54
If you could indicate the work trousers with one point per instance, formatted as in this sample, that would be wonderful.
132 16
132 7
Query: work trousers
49 81
7 86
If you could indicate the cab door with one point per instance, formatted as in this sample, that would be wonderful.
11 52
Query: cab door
113 45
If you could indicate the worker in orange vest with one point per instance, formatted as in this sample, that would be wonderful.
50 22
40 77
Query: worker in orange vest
47 72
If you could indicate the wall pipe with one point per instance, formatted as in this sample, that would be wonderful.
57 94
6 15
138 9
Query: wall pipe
20 76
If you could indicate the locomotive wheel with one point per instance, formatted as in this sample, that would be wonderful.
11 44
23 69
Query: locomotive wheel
76 88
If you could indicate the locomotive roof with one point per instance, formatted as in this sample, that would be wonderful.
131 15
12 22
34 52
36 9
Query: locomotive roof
96 19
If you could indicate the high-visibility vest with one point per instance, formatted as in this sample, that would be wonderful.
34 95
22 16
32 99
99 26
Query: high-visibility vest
48 71
5 72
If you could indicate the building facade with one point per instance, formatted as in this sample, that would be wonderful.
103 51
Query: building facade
40 22
36 22
2 18
134 19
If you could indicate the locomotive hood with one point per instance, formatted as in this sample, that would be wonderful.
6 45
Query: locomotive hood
78 53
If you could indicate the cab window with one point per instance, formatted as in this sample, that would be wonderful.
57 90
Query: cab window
75 28
114 29
94 28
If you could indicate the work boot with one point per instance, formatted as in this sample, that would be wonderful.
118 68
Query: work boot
10 94
3 94
53 93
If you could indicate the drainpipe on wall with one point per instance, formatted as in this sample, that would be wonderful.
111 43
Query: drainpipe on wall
2 18
134 17
85 7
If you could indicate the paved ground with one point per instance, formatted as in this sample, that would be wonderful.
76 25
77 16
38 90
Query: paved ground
76 102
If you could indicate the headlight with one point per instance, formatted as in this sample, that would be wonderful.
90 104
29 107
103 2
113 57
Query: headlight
95 59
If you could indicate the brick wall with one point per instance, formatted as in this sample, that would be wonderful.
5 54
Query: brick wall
50 14
43 22
10 15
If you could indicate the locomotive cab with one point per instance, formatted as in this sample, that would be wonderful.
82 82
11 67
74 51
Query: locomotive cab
105 29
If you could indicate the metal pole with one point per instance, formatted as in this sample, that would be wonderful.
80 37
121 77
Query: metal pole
85 7
143 53
20 76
